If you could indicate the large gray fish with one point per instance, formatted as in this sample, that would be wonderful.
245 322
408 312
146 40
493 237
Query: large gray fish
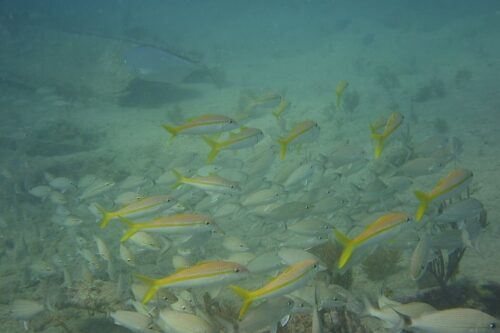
156 65
459 320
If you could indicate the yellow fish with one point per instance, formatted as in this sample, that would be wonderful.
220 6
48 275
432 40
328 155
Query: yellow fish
172 224
205 124
302 132
393 122
138 208
339 92
246 137
292 278
284 104
211 183
200 275
385 227
268 99
455 182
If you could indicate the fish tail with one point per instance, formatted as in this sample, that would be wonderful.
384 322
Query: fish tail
348 247
171 129
106 216
180 179
131 231
215 149
379 143
424 202
247 299
283 145
151 283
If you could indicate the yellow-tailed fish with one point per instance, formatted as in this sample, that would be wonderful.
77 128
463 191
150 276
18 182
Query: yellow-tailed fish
174 224
137 208
455 182
393 122
212 183
246 137
205 124
292 278
282 106
252 101
200 275
302 132
339 92
385 227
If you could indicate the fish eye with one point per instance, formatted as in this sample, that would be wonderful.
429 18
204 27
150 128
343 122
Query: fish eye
290 303
315 266
493 325
408 219
335 299
207 222
236 270
183 307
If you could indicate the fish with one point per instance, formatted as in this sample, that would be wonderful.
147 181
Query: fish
245 138
234 244
102 249
97 187
292 278
420 258
204 124
385 227
126 255
182 322
393 122
282 106
201 274
41 191
213 183
302 132
24 309
266 316
458 320
250 101
171 224
454 182
310 226
339 92
390 314
145 241
62 184
317 320
153 64
137 208
134 321
261 196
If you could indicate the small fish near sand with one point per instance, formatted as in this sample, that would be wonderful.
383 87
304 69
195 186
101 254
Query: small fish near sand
453 183
305 131
205 124
392 124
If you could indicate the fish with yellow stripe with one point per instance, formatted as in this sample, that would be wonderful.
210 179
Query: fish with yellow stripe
202 274
339 92
383 228
173 224
391 125
304 131
245 138
282 106
204 124
141 207
211 183
292 278
455 182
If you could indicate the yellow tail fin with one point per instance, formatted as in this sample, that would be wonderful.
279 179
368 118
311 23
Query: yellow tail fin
180 178
215 149
151 283
131 231
106 216
247 299
379 143
283 145
424 202
171 129
348 247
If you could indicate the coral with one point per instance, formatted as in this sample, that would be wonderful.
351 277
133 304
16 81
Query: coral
381 263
